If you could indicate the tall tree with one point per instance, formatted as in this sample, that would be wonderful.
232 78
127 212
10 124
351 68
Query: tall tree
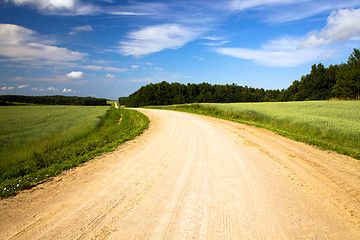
348 78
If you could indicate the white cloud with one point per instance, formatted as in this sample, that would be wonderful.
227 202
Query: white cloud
135 66
215 41
20 44
79 7
75 74
213 38
93 67
110 75
136 8
280 11
341 26
126 13
313 41
7 88
239 5
60 7
78 29
41 89
52 89
114 69
157 38
46 4
23 86
283 52
67 90
271 58
216 44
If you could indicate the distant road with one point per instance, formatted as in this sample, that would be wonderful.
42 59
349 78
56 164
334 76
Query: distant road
195 177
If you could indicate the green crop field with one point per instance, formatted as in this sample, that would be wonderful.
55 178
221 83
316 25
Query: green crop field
331 116
40 141
25 128
332 125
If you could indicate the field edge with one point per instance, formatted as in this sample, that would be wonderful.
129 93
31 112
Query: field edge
116 127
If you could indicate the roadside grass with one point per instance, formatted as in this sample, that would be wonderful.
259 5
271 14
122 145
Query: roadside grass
24 129
329 125
43 141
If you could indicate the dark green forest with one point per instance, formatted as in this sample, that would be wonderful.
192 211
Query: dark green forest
336 81
52 100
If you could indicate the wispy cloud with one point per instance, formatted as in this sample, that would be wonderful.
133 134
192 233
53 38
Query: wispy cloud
115 69
136 9
282 11
216 43
93 67
23 86
157 38
109 75
125 13
287 51
285 58
78 29
241 5
283 52
48 89
103 68
20 44
41 89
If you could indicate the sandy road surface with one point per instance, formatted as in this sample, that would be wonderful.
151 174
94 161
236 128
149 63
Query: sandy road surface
192 177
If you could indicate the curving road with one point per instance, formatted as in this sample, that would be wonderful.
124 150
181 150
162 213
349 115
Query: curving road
194 177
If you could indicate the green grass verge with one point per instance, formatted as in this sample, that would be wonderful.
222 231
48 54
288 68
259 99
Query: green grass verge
329 125
59 154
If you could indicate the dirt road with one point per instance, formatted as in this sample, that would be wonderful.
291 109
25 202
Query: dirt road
193 177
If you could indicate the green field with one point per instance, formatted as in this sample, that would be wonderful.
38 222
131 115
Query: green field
25 128
332 125
41 141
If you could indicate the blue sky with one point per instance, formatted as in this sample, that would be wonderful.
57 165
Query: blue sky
108 48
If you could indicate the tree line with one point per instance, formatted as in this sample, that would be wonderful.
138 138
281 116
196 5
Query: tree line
337 81
53 100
